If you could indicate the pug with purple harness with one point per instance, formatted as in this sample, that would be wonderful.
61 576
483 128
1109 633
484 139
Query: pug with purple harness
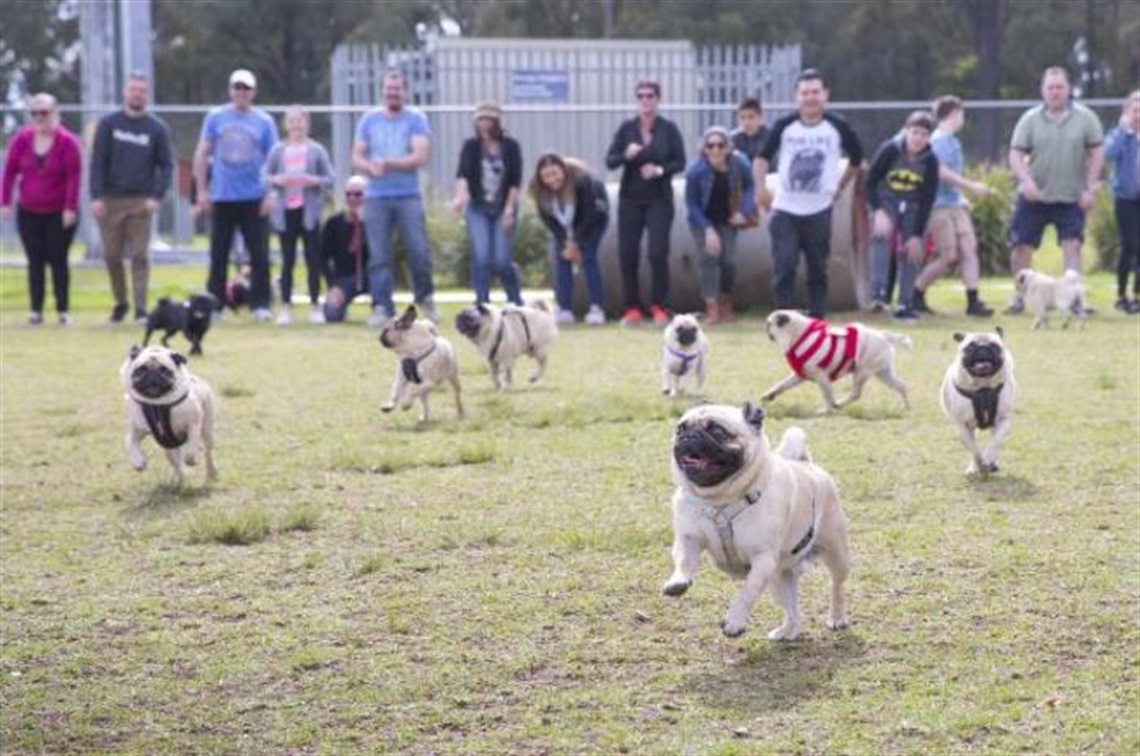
684 353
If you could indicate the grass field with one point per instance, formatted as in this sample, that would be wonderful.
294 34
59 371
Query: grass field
355 583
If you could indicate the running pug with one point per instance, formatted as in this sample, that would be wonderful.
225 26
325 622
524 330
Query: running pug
977 394
1043 293
684 354
502 336
822 353
427 360
166 401
760 514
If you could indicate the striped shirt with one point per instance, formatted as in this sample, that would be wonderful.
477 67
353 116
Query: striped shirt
824 350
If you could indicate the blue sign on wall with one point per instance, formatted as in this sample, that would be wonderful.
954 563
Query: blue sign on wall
540 86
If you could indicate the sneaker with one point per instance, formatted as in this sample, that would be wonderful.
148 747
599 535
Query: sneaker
262 315
660 317
217 316
316 315
632 317
285 317
427 309
1135 309
35 318
979 309
378 317
140 317
595 316
119 312
920 305
563 317
905 313
877 305
66 320
1016 307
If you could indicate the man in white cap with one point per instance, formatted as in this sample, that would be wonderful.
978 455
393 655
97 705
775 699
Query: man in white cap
235 140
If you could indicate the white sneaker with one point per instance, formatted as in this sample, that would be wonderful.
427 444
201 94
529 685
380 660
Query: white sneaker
378 317
316 315
262 315
427 309
564 317
595 316
65 319
285 317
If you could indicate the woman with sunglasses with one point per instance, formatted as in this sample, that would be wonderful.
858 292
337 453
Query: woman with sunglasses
44 160
720 193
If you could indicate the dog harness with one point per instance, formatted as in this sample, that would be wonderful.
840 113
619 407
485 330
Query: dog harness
687 360
985 402
502 328
828 350
722 518
410 366
158 420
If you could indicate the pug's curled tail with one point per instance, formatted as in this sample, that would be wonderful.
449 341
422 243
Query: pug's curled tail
793 445
539 304
899 339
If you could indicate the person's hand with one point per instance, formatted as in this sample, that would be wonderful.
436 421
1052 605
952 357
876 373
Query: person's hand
99 209
572 253
881 225
914 250
202 206
977 188
151 205
266 205
1087 198
712 242
377 167
458 204
632 150
1029 190
737 220
507 222
651 171
70 217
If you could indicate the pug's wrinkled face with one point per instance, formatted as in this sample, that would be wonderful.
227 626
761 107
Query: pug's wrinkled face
1021 281
396 330
201 306
982 354
154 372
783 324
469 321
711 442
685 329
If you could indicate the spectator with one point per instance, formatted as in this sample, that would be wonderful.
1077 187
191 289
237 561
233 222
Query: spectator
950 222
1122 148
749 138
901 185
719 195
344 248
235 141
298 171
487 194
44 163
650 151
131 170
391 145
573 204
809 143
1056 157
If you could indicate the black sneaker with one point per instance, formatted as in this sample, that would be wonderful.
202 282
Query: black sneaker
1135 309
1125 305
979 309
119 312
921 306
905 313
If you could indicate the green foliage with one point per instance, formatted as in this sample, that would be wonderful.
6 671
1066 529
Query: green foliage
1102 230
991 215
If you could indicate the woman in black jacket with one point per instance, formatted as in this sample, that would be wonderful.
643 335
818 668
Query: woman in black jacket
572 202
487 194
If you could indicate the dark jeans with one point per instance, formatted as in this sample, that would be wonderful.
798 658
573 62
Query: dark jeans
790 234
564 269
633 219
294 230
46 242
336 313
244 216
1128 222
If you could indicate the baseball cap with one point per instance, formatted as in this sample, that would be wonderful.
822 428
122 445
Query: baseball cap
243 76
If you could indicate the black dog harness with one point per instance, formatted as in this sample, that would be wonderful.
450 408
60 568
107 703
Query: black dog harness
722 518
411 365
502 327
158 420
687 360
985 402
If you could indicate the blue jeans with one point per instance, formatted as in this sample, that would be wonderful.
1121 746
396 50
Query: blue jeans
492 251
714 270
347 284
407 215
564 269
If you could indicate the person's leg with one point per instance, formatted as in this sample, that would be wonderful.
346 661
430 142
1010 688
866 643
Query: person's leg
503 259
222 225
254 232
941 229
1026 228
816 240
631 221
708 269
659 222
969 265
1128 223
784 229
294 227
563 277
727 259
413 231
590 267
312 237
32 228
378 217
479 234
113 231
1069 220
137 233
58 245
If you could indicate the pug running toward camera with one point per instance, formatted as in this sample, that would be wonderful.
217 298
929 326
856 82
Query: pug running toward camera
502 336
1043 293
166 401
819 352
684 354
427 360
760 514
977 394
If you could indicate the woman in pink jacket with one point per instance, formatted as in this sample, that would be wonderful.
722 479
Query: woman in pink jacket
45 163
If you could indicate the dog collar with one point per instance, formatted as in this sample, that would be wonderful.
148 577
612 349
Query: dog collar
686 359
502 327
411 365
985 402
158 420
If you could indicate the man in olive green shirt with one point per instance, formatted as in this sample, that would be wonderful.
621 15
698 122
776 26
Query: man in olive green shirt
1055 155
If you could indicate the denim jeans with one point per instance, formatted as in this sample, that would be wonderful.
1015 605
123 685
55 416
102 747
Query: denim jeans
347 284
881 257
713 270
791 233
564 269
382 215
492 252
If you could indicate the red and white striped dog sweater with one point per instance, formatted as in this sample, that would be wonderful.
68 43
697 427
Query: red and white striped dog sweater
824 349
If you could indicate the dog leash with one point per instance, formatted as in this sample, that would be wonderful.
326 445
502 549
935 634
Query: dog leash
158 420
411 365
985 402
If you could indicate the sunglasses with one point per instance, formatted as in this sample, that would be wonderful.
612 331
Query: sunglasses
39 113
354 194
716 145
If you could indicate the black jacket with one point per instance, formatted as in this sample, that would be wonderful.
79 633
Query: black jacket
906 185
591 209
339 262
131 157
666 149
471 169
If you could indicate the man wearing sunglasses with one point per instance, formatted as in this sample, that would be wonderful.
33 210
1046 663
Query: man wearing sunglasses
234 143
344 247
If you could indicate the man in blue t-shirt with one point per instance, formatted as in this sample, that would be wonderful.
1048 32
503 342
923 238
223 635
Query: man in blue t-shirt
391 145
234 143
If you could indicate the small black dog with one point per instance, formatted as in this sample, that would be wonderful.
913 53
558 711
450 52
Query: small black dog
192 318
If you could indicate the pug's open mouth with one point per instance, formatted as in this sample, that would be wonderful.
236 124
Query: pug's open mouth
982 362
703 459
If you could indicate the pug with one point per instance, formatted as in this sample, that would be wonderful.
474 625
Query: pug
191 318
684 353
760 514
977 394
427 360
165 400
1043 293
817 351
502 336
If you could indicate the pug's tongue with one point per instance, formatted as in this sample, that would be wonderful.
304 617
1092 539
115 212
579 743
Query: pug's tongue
694 460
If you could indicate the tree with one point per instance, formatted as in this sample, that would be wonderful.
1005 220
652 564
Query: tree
39 50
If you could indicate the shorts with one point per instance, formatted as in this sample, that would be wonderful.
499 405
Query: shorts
1031 218
952 229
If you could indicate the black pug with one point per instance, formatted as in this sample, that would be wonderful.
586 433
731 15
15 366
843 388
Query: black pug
192 318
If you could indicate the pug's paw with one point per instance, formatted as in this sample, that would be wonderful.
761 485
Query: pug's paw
676 587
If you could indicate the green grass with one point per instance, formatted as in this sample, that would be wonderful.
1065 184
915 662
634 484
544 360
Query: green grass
358 583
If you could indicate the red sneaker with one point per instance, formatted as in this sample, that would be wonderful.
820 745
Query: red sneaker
631 317
660 317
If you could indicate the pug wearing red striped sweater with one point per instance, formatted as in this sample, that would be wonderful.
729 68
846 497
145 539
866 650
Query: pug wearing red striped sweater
820 352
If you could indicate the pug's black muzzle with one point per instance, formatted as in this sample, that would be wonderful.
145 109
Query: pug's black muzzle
704 460
982 360
468 324
686 336
152 381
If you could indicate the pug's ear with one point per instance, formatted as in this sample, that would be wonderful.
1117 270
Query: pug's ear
782 320
136 350
753 415
959 336
407 318
482 308
177 358
999 332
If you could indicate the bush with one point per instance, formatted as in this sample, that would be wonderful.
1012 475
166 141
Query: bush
991 216
1102 230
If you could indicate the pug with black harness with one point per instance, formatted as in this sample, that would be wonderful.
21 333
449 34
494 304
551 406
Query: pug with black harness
977 394
761 515
427 360
502 336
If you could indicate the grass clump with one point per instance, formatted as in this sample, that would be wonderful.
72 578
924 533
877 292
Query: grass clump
247 527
